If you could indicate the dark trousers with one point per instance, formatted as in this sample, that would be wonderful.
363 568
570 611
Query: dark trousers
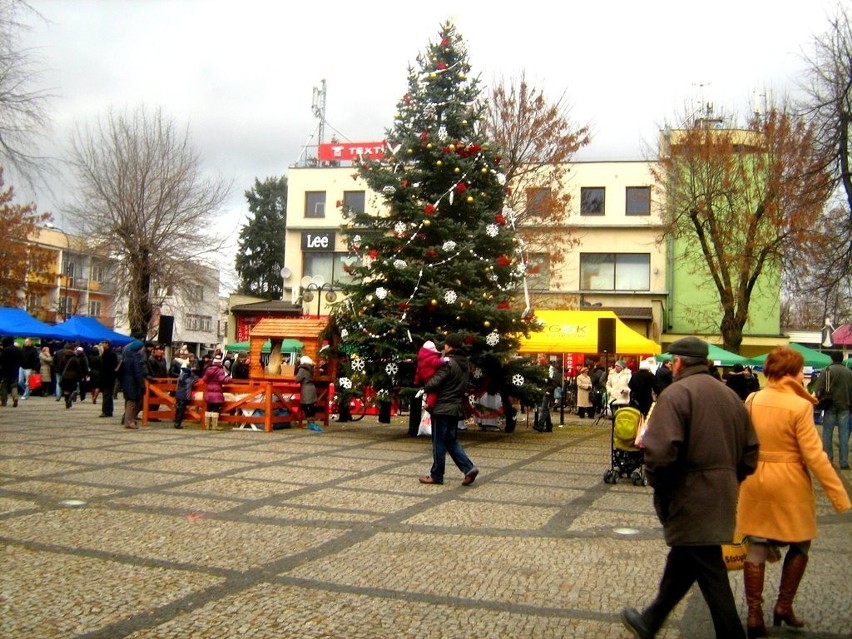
106 404
180 410
684 566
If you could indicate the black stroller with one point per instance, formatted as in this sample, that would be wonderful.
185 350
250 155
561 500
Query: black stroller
627 458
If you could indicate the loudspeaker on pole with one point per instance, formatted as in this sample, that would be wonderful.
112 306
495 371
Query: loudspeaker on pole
606 335
164 333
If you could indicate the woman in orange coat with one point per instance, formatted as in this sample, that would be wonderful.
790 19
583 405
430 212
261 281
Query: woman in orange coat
776 504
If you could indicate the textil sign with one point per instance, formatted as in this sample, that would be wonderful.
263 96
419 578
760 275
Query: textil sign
349 151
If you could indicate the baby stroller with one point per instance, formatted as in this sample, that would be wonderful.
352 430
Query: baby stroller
627 458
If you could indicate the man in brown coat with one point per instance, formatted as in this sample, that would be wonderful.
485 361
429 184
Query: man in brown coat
699 446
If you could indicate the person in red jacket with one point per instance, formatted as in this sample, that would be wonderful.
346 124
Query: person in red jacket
429 360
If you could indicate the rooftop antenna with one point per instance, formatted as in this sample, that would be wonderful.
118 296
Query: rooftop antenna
318 108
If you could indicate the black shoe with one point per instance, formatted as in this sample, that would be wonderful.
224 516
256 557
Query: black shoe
635 623
178 426
102 415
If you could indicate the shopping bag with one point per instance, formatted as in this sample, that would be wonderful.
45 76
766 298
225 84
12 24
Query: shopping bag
735 553
34 381
425 428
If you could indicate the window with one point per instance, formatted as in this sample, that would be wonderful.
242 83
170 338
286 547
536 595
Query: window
66 306
94 309
34 301
97 274
332 266
592 200
69 267
315 204
198 323
538 202
195 292
353 202
615 271
638 200
538 271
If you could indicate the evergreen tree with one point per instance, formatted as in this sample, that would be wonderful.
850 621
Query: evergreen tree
442 256
260 249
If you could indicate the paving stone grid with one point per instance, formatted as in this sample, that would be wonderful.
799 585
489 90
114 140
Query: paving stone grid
185 533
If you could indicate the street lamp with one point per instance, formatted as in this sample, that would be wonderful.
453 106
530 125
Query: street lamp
317 283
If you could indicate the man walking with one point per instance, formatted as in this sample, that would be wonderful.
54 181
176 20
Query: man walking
29 365
698 448
835 386
108 371
450 384
10 370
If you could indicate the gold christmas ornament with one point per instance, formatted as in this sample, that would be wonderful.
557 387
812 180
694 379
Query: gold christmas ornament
484 170
410 151
457 170
426 222
486 324
439 163
458 318
433 75
434 302
470 199
429 145
452 147
464 122
462 76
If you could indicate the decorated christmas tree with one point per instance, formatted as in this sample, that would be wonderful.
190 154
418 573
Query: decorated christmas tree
441 256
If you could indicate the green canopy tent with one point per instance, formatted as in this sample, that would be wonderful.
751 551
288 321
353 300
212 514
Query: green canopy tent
287 346
717 355
813 358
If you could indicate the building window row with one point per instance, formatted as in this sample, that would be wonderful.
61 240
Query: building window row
353 202
593 200
198 323
615 271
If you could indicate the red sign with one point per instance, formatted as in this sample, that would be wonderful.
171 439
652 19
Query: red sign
349 151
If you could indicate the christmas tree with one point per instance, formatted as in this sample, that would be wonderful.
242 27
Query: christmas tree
442 256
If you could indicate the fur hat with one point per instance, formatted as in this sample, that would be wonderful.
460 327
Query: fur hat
304 359
620 363
217 361
690 347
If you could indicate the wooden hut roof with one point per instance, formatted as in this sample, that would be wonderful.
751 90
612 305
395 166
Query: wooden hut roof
276 327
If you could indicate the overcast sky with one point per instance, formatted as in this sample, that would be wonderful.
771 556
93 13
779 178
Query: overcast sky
240 73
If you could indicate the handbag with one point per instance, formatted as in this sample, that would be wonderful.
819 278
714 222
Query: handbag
425 428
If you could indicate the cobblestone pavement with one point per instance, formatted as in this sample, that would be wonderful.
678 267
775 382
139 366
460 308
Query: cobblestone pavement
186 533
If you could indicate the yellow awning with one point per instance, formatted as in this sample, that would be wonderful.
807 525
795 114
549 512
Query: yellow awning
577 332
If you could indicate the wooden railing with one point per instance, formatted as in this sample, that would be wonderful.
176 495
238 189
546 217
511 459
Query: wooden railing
249 404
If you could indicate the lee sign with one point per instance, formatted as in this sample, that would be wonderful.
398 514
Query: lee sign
314 241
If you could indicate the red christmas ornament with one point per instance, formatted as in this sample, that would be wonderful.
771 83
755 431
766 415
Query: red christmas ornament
503 261
497 160
503 305
403 306
404 183
441 65
461 187
473 149
429 209
374 253
445 41
431 253
468 339
423 136
499 218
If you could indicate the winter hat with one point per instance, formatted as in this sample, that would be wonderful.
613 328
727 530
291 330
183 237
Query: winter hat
430 346
454 341
620 363
217 361
136 345
79 349
306 360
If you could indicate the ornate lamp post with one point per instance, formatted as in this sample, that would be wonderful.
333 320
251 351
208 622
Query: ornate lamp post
317 284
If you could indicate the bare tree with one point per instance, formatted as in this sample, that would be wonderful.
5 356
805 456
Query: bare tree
824 269
741 201
23 109
141 194
536 139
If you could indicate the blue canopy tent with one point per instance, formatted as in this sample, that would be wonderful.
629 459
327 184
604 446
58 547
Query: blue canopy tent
16 322
89 329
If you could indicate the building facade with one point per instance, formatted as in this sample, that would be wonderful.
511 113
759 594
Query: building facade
79 281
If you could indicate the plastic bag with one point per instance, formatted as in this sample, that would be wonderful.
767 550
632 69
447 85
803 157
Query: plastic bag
425 428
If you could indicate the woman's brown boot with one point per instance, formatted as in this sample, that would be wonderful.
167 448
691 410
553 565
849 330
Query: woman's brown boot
791 575
753 581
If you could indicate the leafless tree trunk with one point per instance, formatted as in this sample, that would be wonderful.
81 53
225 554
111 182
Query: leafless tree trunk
141 195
